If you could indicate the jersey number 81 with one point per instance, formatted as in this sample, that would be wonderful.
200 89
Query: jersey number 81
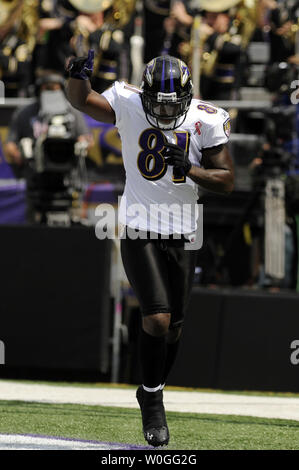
150 160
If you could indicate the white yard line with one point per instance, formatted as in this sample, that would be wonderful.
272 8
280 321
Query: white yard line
193 402
27 442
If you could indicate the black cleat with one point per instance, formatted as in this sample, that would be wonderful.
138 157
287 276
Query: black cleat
154 423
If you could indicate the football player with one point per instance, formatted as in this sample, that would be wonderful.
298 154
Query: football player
170 144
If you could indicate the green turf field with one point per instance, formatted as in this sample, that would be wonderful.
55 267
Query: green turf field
188 431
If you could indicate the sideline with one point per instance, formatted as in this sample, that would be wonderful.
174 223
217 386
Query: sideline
179 401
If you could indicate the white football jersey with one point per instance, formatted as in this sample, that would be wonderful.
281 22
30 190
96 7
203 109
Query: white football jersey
156 198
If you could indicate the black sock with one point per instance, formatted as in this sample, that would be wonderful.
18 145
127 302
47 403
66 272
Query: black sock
171 353
152 354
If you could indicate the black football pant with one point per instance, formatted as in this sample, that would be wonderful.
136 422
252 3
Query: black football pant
161 274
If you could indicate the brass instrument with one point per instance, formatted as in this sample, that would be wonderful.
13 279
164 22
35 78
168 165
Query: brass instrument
18 22
208 58
244 21
201 61
20 16
117 13
29 23
10 12
195 52
110 16
217 6
122 11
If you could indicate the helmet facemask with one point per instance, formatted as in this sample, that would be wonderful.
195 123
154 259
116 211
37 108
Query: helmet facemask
165 110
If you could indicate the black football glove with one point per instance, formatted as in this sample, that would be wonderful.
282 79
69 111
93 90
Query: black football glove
81 67
177 157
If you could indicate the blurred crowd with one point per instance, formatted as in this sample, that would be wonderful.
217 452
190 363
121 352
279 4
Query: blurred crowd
211 36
